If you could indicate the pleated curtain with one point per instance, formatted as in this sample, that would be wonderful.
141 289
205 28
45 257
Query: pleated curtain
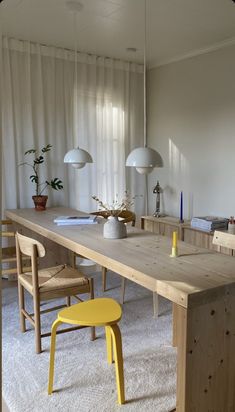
99 110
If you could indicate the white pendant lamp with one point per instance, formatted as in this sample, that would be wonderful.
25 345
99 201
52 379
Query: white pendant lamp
76 157
144 159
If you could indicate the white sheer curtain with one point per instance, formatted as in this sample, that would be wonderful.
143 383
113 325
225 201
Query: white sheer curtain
39 93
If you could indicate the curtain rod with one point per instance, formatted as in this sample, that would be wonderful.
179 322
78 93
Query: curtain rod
72 50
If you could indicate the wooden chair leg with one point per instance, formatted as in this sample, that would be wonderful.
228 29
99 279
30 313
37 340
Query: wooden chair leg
37 321
52 356
21 306
68 300
109 345
104 273
123 288
155 305
118 358
91 284
72 259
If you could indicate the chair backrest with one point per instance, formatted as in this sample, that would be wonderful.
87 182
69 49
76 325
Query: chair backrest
6 233
224 239
26 245
126 215
29 247
8 259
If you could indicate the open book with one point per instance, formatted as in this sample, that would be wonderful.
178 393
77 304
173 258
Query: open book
75 220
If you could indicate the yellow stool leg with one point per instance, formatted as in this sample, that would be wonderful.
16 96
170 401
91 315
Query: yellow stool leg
52 355
117 349
91 283
109 345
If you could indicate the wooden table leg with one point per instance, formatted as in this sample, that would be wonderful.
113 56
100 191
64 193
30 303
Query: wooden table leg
177 326
206 354
179 340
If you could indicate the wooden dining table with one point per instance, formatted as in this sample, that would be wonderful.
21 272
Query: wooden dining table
199 282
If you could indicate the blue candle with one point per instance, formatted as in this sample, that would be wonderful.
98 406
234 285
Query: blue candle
181 206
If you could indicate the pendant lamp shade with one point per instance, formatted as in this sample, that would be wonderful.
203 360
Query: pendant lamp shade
144 159
78 158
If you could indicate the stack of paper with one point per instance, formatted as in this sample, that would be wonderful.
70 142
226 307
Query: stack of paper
209 223
75 220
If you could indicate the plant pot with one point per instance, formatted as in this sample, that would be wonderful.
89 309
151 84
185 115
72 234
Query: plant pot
40 202
114 228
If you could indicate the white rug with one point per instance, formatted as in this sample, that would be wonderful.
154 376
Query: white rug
83 379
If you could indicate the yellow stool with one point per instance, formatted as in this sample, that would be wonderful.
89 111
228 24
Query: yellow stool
97 312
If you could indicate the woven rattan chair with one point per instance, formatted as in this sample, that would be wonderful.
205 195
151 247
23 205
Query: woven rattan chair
46 284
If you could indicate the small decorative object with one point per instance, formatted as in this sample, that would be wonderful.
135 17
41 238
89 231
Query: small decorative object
181 208
174 251
158 190
115 228
231 225
56 184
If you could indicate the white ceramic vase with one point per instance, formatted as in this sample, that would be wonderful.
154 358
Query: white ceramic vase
114 228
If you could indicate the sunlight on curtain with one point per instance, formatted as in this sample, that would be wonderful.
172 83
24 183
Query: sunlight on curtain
110 152
39 108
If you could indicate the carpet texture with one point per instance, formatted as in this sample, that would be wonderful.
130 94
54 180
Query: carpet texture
83 379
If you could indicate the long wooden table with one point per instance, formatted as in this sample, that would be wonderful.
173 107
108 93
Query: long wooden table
200 283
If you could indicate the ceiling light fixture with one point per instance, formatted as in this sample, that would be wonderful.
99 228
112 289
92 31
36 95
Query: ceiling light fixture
76 157
144 159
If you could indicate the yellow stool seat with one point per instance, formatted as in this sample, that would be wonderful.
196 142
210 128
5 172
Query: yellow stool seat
96 312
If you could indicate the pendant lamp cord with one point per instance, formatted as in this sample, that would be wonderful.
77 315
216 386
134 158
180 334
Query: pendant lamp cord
75 123
145 103
146 203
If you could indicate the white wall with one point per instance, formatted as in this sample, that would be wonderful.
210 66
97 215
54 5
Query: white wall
191 122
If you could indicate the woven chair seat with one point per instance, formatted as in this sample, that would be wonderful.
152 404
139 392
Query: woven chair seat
54 278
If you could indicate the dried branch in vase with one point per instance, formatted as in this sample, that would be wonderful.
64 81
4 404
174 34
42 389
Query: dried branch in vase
116 207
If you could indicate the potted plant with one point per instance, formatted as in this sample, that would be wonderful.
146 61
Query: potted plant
40 186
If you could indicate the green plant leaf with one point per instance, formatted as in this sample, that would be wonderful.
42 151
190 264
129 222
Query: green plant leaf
56 183
30 151
34 179
39 160
46 148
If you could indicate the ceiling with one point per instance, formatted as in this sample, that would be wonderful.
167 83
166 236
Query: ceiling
175 28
